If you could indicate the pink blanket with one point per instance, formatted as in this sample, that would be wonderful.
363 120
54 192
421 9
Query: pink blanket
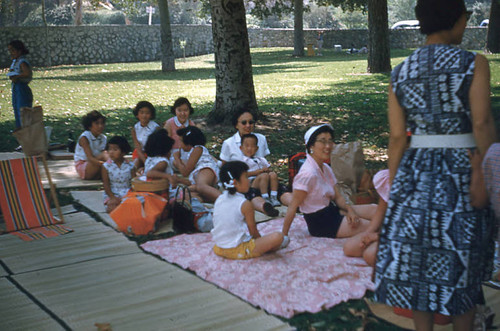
311 274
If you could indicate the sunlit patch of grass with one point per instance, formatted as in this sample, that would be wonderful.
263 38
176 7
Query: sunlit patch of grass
293 93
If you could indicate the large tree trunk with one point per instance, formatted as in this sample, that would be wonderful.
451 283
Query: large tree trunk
167 48
233 64
15 10
298 28
493 41
78 12
379 57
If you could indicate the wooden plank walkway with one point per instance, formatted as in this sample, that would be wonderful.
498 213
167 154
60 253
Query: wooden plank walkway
19 312
96 275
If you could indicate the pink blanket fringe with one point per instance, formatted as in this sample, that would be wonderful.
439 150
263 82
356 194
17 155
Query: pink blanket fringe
311 274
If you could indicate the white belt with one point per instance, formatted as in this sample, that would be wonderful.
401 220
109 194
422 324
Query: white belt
465 140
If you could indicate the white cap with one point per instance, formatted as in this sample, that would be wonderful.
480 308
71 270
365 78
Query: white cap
313 129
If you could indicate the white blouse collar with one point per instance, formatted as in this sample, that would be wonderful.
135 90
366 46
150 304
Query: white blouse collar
178 123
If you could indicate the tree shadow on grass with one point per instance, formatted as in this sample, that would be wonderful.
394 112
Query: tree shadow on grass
178 75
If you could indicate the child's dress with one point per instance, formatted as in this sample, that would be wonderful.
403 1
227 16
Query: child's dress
151 162
21 92
174 124
119 178
230 228
142 133
205 161
255 163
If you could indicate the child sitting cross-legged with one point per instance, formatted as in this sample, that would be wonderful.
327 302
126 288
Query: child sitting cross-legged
200 166
116 173
259 173
90 152
157 163
235 231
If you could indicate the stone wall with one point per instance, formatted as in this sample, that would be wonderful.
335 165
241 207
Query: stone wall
57 45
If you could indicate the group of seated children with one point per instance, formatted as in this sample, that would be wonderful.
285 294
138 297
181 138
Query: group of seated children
249 183
160 153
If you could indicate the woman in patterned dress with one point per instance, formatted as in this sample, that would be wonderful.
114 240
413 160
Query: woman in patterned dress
435 248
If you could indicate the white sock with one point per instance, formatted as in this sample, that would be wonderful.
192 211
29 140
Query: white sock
274 194
265 195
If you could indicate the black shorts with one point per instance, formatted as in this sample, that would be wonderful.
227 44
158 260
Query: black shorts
255 192
325 222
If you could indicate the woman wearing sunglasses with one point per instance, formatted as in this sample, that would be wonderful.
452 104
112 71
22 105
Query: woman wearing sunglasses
244 121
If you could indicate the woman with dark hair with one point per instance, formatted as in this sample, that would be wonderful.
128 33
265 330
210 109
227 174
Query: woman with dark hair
244 122
315 192
20 74
435 248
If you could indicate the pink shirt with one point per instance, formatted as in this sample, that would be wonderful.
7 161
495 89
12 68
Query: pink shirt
318 184
491 170
381 183
175 125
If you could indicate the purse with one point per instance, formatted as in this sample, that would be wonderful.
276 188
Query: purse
189 214
182 211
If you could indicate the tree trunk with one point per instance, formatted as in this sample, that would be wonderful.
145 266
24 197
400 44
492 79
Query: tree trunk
167 48
15 12
493 40
78 12
379 57
233 63
298 28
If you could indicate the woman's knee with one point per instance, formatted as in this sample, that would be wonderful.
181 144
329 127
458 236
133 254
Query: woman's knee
352 247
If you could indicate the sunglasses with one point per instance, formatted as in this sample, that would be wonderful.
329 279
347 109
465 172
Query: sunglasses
244 122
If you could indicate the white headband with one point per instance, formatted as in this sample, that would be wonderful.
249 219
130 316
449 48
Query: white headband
313 129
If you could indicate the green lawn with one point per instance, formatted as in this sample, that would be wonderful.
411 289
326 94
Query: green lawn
293 93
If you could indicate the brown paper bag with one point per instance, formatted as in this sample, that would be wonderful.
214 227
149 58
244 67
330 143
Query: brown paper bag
31 136
347 162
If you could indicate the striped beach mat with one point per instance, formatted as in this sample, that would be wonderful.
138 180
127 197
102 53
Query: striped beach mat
24 205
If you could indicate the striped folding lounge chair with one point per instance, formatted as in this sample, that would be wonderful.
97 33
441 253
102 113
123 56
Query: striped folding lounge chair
24 205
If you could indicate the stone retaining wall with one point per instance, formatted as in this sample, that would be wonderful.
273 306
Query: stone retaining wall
57 45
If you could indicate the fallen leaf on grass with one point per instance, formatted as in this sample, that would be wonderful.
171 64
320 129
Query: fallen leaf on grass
103 326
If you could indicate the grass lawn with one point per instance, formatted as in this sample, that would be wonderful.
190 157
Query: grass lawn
293 94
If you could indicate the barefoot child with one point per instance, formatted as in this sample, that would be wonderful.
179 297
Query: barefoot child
89 151
259 173
235 231
200 167
365 244
145 112
116 173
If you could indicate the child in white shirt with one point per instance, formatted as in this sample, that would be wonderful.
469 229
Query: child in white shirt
145 112
235 231
90 151
259 172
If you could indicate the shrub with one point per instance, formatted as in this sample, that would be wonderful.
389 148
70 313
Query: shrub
103 17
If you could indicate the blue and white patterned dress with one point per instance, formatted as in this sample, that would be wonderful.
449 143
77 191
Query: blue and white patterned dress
435 249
